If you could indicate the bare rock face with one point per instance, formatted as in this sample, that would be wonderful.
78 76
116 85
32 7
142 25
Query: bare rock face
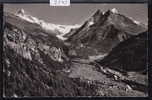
103 31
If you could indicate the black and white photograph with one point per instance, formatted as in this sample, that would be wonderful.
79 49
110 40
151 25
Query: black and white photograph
81 50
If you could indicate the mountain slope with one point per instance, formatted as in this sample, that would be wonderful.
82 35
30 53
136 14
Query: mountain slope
34 61
103 31
130 55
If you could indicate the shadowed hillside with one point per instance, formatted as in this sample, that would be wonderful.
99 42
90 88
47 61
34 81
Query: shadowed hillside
130 55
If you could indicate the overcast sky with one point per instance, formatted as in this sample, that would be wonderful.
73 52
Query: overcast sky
78 13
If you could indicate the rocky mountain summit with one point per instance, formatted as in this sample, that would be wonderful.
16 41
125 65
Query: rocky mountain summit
103 31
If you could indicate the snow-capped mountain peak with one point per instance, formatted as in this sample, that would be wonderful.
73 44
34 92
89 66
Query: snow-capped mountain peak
62 29
114 10
21 12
